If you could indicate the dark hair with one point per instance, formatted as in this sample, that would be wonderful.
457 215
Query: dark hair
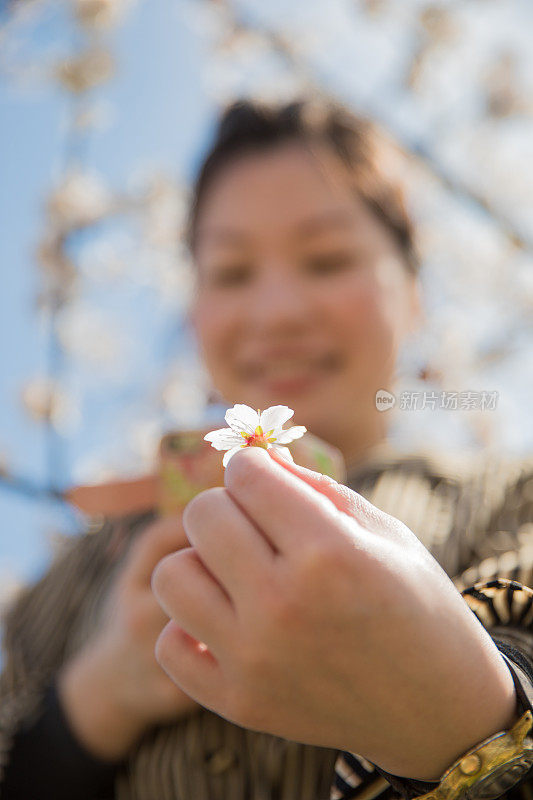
247 127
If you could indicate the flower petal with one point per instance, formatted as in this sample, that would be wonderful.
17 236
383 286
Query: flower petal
229 454
291 434
242 418
223 438
275 417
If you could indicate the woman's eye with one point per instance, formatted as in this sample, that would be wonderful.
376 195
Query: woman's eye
324 265
229 276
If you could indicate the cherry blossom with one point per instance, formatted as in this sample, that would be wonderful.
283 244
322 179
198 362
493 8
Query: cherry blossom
249 428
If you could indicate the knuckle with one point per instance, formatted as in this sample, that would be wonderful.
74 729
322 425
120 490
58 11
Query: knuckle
186 558
319 562
201 505
164 576
281 610
366 514
325 482
162 648
245 475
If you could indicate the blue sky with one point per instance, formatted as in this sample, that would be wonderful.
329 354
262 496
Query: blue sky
160 118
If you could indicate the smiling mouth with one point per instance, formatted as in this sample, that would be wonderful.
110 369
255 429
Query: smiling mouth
291 370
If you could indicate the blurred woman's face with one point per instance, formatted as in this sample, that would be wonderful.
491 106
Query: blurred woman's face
302 296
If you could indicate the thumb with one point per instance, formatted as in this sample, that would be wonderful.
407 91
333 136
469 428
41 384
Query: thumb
342 497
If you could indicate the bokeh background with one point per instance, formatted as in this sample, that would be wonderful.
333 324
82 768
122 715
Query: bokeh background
106 107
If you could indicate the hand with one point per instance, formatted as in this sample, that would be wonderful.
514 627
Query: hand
304 611
114 689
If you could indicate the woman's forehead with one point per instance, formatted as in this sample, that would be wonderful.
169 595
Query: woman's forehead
300 227
286 191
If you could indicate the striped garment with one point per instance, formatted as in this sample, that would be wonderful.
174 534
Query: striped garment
474 515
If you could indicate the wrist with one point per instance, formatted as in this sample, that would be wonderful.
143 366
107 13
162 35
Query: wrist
490 707
99 721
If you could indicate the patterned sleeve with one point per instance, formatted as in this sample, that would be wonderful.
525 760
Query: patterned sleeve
497 584
497 535
48 622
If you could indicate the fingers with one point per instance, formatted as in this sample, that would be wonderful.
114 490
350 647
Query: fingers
345 499
229 544
193 668
150 615
192 598
286 508
164 536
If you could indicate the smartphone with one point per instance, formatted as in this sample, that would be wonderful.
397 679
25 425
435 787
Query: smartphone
187 465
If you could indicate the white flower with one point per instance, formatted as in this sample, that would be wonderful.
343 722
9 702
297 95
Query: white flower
256 428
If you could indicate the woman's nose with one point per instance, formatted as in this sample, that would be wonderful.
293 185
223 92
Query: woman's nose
280 300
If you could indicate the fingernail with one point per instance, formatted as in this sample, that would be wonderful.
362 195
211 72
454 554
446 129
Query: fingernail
284 452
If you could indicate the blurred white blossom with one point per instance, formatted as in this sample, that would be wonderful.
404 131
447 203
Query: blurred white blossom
143 441
88 334
45 401
85 71
164 210
95 116
98 14
105 259
80 199
184 395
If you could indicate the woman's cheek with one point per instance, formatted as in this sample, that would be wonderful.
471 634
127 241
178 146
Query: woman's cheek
366 332
214 317
359 310
216 324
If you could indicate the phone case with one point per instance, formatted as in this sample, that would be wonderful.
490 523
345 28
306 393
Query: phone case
188 465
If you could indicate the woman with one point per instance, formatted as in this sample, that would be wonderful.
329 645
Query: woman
306 287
